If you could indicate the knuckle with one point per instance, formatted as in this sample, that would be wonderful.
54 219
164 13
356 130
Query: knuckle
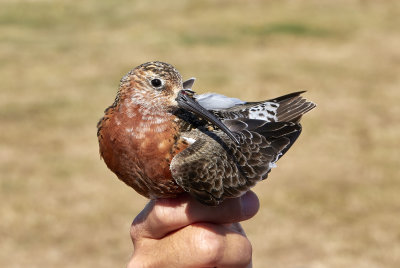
209 245
137 225
160 214
163 213
132 264
136 263
133 231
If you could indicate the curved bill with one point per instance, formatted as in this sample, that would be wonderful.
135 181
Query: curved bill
186 102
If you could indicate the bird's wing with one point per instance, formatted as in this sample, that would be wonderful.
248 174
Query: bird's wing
213 168
287 108
271 131
214 101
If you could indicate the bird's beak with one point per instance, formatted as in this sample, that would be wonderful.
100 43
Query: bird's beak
185 101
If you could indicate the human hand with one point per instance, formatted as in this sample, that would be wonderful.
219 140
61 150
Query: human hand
181 232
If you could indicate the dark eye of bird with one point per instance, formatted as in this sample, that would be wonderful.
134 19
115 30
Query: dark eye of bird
156 82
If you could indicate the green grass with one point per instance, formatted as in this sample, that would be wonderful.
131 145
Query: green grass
333 200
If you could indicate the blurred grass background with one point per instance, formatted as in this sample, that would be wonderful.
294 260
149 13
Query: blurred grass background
334 201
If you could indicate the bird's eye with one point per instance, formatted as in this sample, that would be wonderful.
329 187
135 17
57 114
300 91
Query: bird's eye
156 82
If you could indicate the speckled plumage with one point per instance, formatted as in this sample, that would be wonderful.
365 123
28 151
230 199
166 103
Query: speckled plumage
161 149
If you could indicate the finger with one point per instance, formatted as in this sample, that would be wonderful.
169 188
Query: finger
197 245
238 249
166 215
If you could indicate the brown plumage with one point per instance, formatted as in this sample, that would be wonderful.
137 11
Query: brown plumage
162 139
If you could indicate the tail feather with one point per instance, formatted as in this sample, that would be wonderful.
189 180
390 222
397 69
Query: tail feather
292 107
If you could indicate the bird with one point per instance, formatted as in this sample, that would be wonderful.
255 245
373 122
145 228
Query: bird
162 138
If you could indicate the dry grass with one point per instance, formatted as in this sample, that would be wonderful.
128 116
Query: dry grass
334 200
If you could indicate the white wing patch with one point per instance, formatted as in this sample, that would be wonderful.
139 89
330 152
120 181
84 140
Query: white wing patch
190 141
264 111
214 101
273 163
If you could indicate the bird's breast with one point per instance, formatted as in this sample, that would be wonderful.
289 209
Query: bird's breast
138 146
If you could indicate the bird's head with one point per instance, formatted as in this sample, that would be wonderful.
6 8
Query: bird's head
152 85
158 86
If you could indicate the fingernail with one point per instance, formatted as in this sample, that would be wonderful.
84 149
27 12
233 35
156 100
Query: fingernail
250 204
